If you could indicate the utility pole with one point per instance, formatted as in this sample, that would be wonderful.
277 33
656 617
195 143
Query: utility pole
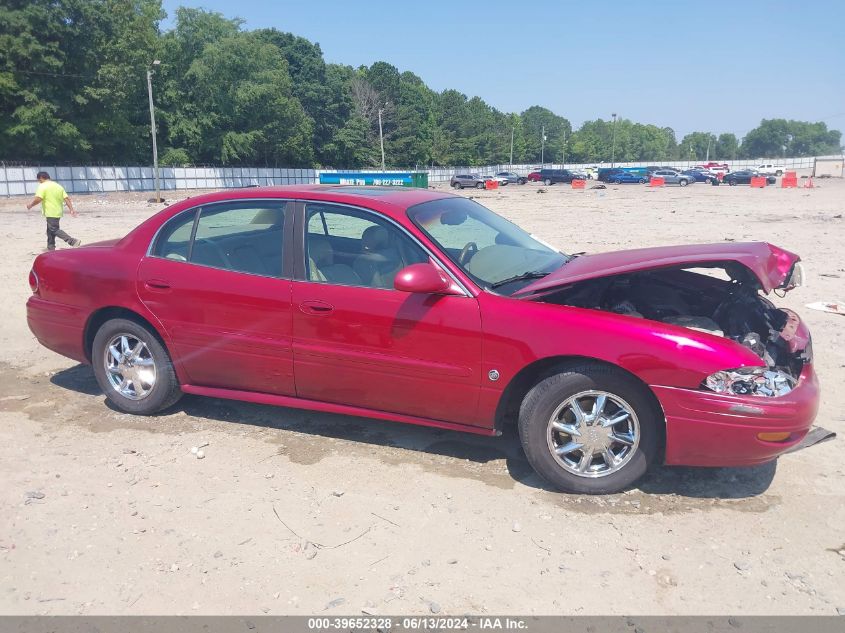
563 158
709 138
381 138
150 72
613 145
512 129
543 146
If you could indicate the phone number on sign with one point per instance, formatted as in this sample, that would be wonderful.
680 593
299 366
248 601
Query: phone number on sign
347 624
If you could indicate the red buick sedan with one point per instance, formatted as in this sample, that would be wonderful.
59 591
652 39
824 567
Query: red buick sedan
427 308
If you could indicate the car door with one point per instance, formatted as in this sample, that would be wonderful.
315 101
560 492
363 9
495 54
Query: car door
358 341
216 278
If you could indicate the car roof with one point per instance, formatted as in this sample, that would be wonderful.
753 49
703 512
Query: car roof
389 200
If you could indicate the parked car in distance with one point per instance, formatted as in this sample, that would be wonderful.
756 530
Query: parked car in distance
744 176
460 181
552 176
627 178
701 175
534 176
605 174
502 180
672 177
716 167
769 169
424 307
512 177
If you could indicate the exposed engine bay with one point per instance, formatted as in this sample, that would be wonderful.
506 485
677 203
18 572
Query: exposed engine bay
731 307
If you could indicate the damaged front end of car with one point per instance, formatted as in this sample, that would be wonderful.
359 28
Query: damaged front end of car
720 298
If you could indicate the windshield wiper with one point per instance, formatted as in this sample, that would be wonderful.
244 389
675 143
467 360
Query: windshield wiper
532 274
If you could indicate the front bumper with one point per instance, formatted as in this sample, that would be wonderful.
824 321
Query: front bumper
710 429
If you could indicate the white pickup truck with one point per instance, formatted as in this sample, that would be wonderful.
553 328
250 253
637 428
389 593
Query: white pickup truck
768 169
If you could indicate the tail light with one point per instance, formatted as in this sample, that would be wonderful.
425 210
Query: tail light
33 281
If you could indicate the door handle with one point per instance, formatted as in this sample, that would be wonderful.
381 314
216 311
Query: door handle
157 285
320 308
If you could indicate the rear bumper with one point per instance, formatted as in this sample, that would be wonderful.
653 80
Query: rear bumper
58 327
710 429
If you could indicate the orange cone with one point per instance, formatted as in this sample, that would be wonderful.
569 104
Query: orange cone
809 184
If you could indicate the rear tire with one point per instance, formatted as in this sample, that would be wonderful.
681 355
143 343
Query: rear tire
732 182
778 173
148 390
458 185
547 182
628 460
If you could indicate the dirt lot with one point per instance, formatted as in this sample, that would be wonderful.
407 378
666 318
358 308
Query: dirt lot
296 512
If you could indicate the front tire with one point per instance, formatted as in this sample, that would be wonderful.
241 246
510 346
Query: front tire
547 182
458 185
133 368
480 185
732 182
778 173
683 183
590 428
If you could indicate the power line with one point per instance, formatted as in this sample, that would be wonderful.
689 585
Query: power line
36 72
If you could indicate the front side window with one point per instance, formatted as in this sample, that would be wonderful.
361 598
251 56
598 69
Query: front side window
349 247
240 236
494 252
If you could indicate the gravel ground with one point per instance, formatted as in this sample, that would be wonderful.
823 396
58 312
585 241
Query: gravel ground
293 512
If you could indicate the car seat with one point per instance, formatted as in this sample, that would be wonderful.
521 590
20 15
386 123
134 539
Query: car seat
321 266
378 264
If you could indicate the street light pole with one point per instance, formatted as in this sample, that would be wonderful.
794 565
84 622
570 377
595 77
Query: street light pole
381 138
543 146
613 145
153 127
563 158
512 129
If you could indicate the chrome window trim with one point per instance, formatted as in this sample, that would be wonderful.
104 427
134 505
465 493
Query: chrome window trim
382 216
199 207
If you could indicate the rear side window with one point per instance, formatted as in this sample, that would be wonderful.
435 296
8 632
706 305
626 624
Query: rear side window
242 237
174 240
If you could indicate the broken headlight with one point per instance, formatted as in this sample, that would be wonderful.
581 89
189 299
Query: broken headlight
796 277
751 381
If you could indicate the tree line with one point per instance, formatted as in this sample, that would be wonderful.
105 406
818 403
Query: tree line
73 90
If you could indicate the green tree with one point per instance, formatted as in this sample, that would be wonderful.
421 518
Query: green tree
249 114
697 146
779 137
727 147
558 131
72 78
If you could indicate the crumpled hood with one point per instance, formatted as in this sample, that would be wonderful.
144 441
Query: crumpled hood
771 265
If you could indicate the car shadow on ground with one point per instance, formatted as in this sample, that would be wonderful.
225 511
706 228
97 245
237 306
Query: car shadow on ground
704 483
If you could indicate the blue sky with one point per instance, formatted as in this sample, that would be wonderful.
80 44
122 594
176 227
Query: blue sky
717 66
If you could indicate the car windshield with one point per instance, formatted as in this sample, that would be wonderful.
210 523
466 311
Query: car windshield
495 253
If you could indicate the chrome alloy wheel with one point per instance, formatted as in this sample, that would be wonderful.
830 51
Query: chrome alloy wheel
593 433
130 367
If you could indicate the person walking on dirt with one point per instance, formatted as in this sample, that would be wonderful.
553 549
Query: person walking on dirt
52 197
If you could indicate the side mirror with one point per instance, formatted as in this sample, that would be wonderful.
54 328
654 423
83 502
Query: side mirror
423 279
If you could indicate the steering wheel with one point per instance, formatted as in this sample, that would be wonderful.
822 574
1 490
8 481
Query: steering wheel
464 257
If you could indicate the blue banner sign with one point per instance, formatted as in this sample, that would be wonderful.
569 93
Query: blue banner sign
367 179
